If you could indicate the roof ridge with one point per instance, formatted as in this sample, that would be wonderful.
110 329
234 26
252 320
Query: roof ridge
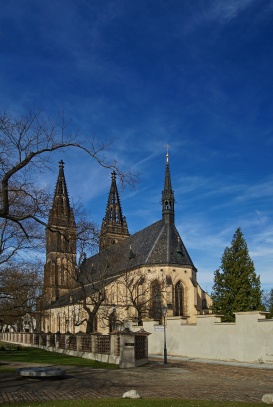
160 233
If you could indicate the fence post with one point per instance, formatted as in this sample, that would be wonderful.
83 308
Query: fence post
66 340
94 342
114 343
78 342
57 340
40 343
48 339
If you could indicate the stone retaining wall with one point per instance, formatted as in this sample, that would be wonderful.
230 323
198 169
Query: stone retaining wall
249 339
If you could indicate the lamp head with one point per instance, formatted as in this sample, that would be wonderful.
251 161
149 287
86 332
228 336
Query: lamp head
164 310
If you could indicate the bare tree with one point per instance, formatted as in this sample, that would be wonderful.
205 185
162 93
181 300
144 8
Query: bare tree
112 317
26 144
112 295
13 242
90 279
20 285
137 292
92 293
26 147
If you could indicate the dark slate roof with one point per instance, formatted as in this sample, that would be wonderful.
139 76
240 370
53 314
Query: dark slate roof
159 244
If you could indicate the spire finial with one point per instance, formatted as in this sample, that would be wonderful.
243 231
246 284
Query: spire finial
167 153
61 164
113 175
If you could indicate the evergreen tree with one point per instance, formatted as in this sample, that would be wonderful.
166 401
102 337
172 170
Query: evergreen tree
236 286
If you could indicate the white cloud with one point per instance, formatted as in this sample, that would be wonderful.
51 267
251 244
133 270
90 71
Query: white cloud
226 10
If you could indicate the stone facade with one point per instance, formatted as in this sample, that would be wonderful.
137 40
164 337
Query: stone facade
136 274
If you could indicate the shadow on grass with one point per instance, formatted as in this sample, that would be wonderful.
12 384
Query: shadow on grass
34 355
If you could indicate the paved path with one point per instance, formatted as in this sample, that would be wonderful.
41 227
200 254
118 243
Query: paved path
179 379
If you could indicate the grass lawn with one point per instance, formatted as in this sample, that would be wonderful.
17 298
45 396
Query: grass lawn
135 403
16 353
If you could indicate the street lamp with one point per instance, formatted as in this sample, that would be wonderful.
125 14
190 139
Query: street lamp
164 312
113 320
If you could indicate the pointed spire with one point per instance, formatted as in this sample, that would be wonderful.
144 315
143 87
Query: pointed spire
168 194
61 209
114 226
113 208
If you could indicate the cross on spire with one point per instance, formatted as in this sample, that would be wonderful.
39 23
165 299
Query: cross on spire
167 153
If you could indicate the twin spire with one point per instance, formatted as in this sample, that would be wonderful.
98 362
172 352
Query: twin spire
61 212
114 226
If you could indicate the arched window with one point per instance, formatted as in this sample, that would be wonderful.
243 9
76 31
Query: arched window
156 302
178 299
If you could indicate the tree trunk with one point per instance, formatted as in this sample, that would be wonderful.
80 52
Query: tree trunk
89 325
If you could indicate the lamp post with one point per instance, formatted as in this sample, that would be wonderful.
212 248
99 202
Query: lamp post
164 312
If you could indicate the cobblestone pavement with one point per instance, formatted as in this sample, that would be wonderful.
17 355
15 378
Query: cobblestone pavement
185 380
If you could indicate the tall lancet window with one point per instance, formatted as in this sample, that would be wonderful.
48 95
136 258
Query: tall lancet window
178 298
156 301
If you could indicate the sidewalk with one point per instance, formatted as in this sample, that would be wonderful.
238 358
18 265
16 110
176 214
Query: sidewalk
214 362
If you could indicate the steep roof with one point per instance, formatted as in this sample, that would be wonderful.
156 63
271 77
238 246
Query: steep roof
158 244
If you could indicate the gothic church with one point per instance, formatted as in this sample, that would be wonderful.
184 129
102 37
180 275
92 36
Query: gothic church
132 277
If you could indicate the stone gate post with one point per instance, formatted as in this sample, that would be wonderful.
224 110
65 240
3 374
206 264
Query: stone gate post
127 349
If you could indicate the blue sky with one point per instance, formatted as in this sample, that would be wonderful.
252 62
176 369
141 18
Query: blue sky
197 75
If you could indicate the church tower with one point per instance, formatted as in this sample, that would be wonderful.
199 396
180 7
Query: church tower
168 196
60 244
114 226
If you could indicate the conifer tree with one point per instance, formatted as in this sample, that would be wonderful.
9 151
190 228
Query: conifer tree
236 286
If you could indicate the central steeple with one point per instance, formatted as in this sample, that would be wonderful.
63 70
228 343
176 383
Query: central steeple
114 226
168 195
